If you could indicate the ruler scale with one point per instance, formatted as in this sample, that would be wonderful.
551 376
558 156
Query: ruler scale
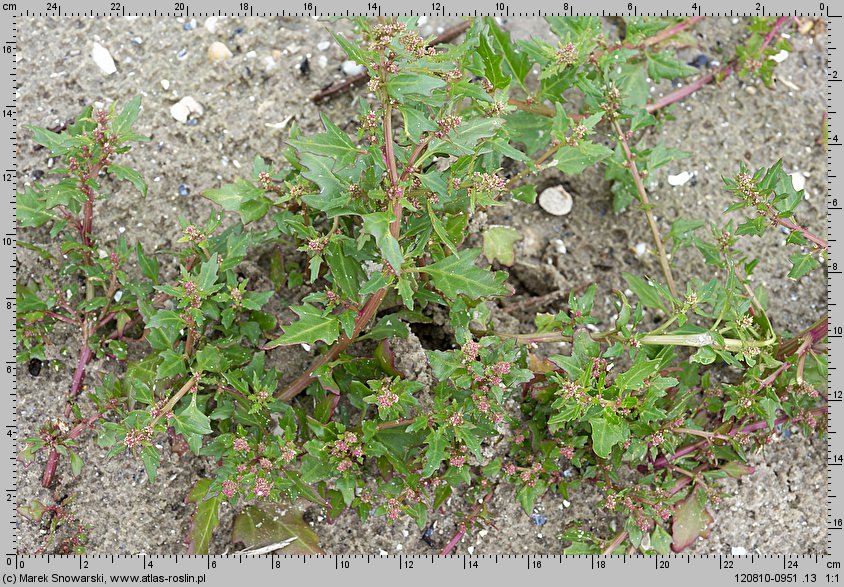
419 570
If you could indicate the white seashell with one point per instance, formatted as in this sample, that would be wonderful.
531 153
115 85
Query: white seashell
681 178
103 59
352 68
218 52
798 180
182 109
556 201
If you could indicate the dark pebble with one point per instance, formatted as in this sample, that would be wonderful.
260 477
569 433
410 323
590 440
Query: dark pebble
34 367
700 61
189 26
193 121
182 54
305 66
538 519
36 174
184 190
236 32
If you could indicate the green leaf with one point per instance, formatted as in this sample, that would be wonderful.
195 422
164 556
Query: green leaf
130 175
607 431
172 364
76 463
191 421
378 225
492 64
209 359
166 319
333 193
636 375
205 519
208 275
663 66
123 122
499 242
515 62
280 526
232 196
408 84
311 327
30 209
345 270
573 160
334 144
691 520
386 327
434 455
149 265
801 264
525 193
440 229
458 274
647 293
151 458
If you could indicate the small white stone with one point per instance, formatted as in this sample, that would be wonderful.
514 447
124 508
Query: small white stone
640 249
559 246
382 552
556 201
211 24
165 83
322 61
738 550
102 253
681 178
118 295
470 549
121 229
103 59
184 108
351 68
218 52
798 180
307 347
251 54
779 57
323 45
566 503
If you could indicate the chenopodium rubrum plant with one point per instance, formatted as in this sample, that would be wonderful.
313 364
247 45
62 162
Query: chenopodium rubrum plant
378 220
85 286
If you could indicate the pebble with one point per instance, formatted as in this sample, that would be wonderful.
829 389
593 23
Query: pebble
322 60
182 109
211 24
556 201
779 57
538 519
182 54
218 52
184 190
351 68
738 550
189 26
798 180
305 66
165 83
103 59
323 45
559 246
700 61
34 367
640 249
137 41
681 178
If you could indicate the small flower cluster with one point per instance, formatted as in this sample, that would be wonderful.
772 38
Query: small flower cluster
446 125
382 35
135 438
415 45
566 56
487 182
349 450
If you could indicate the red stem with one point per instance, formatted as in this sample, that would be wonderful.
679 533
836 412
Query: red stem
50 469
725 71
671 31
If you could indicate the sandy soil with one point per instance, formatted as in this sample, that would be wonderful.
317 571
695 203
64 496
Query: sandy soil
779 510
